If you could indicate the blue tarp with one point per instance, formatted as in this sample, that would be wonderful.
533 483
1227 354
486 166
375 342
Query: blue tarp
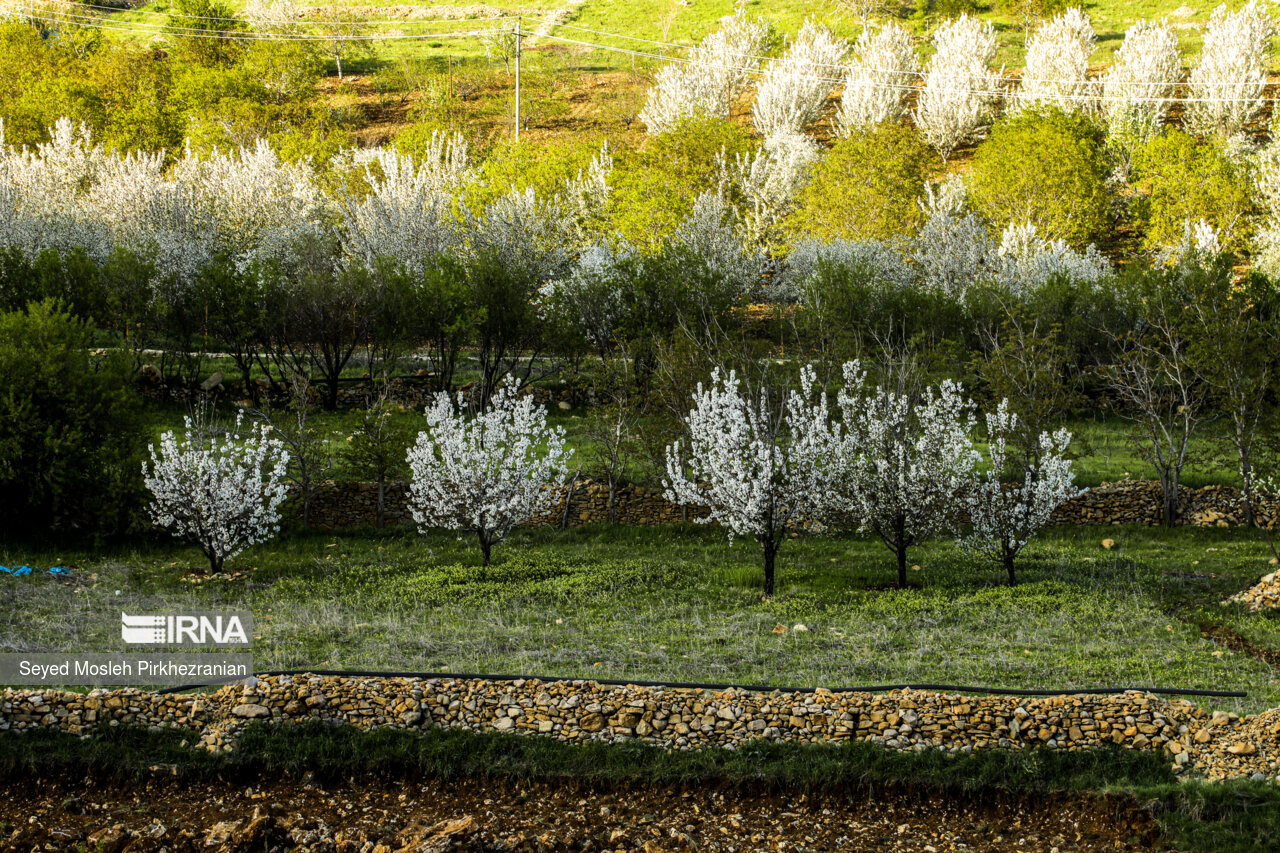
19 571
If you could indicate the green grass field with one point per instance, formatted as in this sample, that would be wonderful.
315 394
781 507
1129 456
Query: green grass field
683 604
683 24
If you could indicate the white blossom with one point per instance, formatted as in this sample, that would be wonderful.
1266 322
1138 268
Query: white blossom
758 468
1028 260
526 232
906 459
222 492
1199 242
956 102
709 236
1004 516
873 257
882 74
770 180
794 88
485 474
1139 83
590 296
407 213
954 250
1057 64
705 86
1228 81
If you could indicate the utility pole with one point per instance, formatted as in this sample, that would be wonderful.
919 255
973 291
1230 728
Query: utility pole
517 79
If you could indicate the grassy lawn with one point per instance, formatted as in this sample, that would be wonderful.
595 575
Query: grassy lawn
686 24
683 604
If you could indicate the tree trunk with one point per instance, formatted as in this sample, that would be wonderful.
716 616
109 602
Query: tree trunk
900 546
1169 493
770 553
485 547
1246 482
382 492
613 502
1006 555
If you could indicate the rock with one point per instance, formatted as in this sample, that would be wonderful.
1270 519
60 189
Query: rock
214 381
251 711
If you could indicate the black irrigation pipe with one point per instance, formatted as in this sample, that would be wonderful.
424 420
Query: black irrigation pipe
754 688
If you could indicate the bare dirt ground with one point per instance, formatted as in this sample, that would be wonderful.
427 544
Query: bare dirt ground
168 812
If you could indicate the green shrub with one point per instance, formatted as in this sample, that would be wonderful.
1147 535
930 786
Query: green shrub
653 190
1180 178
1045 168
70 437
867 186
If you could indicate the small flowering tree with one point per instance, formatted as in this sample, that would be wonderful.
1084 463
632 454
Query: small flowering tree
1227 83
881 75
707 83
906 458
1058 63
1005 515
1139 84
955 104
794 88
223 493
757 467
485 474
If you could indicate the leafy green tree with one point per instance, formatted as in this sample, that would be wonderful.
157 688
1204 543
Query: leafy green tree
868 186
653 190
1181 179
1231 326
517 166
1047 168
376 448
71 441
201 32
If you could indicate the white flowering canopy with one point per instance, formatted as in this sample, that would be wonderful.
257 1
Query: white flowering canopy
221 491
959 88
406 216
794 88
1057 66
486 473
1137 88
770 180
705 85
758 469
1228 81
907 458
882 74
1028 260
1005 515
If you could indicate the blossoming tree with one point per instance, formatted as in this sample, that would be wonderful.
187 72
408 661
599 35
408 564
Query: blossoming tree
906 458
756 466
1005 515
488 473
222 492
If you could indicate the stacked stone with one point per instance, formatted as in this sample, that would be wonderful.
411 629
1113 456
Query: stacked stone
352 504
1217 746
1264 595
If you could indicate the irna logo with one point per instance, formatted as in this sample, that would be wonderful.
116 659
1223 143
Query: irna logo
187 629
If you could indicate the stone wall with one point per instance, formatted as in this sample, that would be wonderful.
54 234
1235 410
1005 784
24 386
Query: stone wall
1217 745
350 504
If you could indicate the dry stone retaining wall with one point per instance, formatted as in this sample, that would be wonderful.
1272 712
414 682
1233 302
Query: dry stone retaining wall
1217 745
352 504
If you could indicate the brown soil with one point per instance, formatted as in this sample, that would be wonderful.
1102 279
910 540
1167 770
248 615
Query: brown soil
1234 640
380 816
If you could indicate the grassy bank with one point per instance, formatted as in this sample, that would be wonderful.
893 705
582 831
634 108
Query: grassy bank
684 604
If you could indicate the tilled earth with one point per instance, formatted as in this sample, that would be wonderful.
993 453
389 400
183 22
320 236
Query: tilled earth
378 815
